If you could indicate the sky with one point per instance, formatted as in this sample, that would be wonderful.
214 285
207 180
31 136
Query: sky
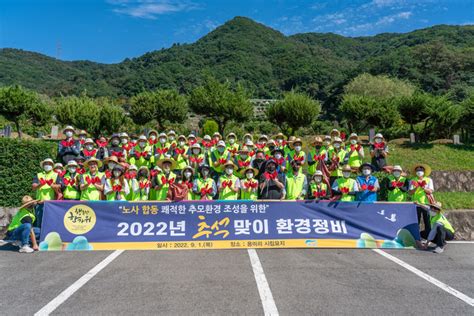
109 31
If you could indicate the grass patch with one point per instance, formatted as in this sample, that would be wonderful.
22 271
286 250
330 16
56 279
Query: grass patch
455 200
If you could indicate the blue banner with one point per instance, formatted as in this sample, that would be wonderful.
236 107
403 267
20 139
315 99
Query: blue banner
104 225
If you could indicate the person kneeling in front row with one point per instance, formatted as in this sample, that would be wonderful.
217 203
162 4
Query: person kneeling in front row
441 229
21 230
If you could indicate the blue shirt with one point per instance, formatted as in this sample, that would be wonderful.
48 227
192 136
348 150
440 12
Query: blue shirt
366 195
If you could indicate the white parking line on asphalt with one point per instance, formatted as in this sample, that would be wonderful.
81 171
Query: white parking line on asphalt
427 277
269 307
61 298
461 242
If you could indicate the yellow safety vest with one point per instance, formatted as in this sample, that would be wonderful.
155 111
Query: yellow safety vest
294 185
46 192
228 193
348 184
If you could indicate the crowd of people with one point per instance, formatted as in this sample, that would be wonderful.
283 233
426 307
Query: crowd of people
169 167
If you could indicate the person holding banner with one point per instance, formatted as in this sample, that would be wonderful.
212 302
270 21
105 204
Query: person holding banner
204 186
93 181
397 185
116 188
421 189
367 184
71 181
21 231
318 190
441 229
249 185
272 184
46 184
187 179
163 180
228 184
345 187
296 183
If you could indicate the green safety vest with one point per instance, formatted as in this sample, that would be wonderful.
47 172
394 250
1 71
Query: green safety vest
46 192
191 196
141 195
346 183
227 193
69 191
91 193
312 169
355 160
292 155
440 218
288 151
19 216
313 187
201 183
158 145
181 163
245 194
240 170
162 193
142 161
341 154
131 183
218 156
294 185
111 195
396 195
419 195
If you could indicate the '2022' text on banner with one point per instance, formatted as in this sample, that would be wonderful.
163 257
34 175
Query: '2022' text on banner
104 225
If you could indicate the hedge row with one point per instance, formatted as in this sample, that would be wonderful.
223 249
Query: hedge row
19 162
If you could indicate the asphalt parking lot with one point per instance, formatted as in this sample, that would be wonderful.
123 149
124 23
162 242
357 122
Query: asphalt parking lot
251 282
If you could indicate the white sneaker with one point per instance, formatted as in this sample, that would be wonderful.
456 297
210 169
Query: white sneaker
438 250
26 249
4 242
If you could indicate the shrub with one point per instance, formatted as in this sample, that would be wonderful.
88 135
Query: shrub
210 127
20 162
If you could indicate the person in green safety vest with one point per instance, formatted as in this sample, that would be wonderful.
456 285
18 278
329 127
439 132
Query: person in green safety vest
247 138
296 183
318 190
296 155
71 181
142 190
163 180
441 229
219 157
280 140
45 183
141 153
397 185
180 153
192 140
204 187
354 152
337 158
21 231
161 148
132 181
172 139
88 149
216 138
233 146
242 160
93 181
249 185
327 143
421 189
262 143
270 147
126 145
187 179
116 188
278 154
345 187
196 157
317 155
228 184
289 151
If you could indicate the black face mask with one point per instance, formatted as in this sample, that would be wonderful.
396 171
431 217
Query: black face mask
142 175
318 146
271 168
259 160
271 148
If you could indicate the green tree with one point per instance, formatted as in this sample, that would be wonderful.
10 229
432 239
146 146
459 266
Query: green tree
218 101
82 112
414 109
467 118
112 116
295 110
142 108
378 87
17 103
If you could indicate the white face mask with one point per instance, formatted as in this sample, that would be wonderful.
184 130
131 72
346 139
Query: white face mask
420 173
327 142
205 173
337 145
117 173
353 141
433 213
111 165
181 143
162 140
48 168
187 174
366 172
346 174
166 169
115 142
69 134
72 169
171 138
196 151
378 140
220 149
231 141
246 140
142 144
396 174
229 171
318 179
243 156
298 148
249 175
89 147
124 141
152 137
277 155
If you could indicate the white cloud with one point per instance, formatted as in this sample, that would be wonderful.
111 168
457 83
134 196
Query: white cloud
392 18
150 9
